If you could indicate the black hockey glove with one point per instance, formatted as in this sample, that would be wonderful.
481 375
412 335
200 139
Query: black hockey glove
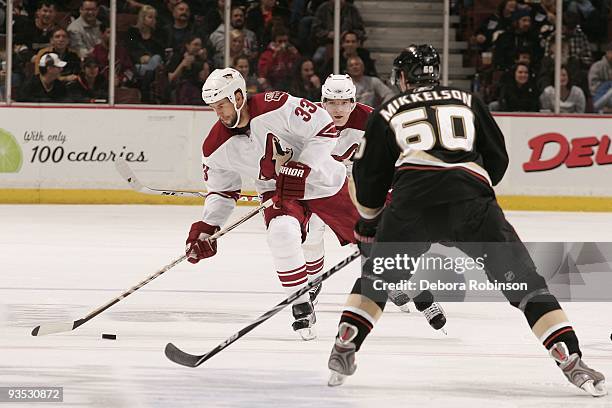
364 232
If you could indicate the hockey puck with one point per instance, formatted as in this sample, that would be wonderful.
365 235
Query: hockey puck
109 336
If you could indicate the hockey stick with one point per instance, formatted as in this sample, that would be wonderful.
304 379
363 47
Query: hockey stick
128 175
190 360
49 328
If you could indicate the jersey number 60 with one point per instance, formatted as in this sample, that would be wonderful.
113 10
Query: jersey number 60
455 128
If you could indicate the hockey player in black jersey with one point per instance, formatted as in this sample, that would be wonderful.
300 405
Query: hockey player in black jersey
443 152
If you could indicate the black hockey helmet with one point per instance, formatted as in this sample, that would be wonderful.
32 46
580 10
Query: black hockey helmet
420 65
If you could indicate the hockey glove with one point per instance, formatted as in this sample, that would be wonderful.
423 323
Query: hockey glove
364 232
291 181
198 245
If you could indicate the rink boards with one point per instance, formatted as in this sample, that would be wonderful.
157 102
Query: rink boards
66 155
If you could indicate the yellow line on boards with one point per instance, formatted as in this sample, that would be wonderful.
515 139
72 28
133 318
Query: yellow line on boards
555 203
68 196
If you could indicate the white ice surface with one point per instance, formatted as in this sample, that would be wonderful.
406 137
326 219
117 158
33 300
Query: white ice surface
61 262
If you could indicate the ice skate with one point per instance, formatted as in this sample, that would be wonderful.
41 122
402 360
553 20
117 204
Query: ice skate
305 319
400 299
577 372
314 293
435 316
342 359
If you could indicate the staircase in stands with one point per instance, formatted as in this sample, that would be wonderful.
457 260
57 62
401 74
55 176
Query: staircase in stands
394 24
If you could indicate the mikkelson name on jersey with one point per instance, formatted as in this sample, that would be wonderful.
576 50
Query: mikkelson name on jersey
425 96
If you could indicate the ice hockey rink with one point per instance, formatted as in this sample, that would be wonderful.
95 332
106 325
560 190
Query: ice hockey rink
61 262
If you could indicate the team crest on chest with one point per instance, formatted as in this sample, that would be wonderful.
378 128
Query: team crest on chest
274 157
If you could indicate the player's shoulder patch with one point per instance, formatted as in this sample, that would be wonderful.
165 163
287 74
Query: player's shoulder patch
218 135
359 117
364 108
266 102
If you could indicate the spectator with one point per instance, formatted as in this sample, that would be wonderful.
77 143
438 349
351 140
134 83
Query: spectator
277 61
572 97
351 47
306 84
521 36
583 8
507 77
217 38
85 30
544 14
575 50
59 46
212 19
262 17
300 19
164 14
189 91
36 35
124 67
45 87
237 42
594 18
182 64
21 22
180 29
495 24
519 95
90 85
370 90
575 54
600 82
144 43
323 25
254 85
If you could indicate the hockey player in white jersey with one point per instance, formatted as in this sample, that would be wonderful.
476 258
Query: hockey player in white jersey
349 117
285 144
338 98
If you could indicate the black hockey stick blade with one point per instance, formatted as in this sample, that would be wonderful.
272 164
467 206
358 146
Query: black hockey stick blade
191 360
180 357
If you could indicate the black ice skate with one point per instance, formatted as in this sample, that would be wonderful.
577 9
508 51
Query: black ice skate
577 372
400 299
314 292
304 320
434 314
342 359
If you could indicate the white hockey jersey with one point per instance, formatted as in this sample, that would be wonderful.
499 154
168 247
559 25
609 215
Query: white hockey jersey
281 128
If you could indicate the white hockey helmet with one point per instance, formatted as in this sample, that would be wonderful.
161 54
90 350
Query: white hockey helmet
223 83
338 87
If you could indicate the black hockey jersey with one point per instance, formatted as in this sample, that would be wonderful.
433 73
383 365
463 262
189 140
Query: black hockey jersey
433 144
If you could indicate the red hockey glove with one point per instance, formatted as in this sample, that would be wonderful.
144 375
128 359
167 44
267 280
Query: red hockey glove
291 181
198 245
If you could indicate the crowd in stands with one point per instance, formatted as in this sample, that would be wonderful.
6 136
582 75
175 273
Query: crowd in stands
514 51
167 48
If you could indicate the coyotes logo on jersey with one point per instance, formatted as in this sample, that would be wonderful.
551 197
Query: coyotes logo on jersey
275 156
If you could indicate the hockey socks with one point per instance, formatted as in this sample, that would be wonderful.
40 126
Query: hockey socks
360 312
550 324
314 268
